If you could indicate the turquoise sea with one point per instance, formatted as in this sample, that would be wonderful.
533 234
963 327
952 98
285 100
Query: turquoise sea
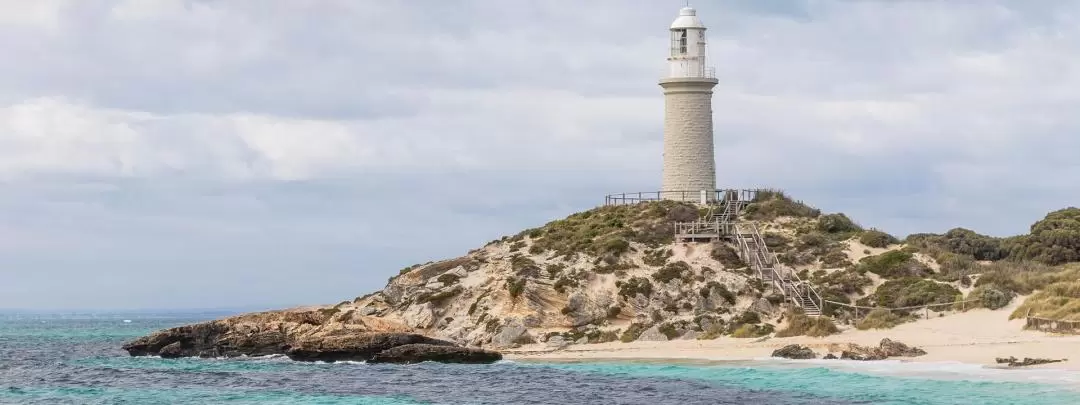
76 359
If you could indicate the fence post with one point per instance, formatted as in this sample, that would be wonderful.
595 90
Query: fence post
927 309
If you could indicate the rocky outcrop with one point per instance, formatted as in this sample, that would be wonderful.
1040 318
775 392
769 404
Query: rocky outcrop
893 348
307 335
886 349
796 352
355 346
415 353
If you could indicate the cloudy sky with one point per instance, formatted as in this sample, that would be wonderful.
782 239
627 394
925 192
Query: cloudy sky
252 153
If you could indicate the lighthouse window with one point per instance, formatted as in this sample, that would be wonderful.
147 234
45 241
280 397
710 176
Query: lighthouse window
678 42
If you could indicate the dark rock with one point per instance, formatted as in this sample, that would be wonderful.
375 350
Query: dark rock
1013 362
357 346
863 353
829 356
896 349
415 353
207 339
794 352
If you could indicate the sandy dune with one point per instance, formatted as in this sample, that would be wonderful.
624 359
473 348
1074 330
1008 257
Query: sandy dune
975 337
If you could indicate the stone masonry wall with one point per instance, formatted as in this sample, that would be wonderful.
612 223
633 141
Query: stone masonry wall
689 163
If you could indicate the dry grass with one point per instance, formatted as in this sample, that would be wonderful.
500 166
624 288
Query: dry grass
801 325
880 319
1058 301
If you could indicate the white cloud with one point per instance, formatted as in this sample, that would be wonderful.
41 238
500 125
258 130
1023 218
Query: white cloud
240 127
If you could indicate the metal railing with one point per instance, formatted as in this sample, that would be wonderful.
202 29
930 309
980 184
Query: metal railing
712 196
761 259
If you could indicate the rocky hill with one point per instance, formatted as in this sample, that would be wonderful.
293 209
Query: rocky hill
615 273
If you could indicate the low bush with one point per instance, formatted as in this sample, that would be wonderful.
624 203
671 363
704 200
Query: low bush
911 291
515 286
672 271
634 331
880 319
877 239
752 331
801 325
848 281
634 286
657 257
727 256
894 264
769 205
989 296
837 224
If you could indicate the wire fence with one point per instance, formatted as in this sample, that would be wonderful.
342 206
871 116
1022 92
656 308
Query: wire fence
861 311
1052 325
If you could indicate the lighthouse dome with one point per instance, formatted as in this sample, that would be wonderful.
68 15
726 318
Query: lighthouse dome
687 19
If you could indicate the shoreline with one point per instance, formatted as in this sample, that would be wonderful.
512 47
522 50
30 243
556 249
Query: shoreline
973 339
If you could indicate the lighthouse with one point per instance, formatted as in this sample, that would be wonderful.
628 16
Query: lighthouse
689 171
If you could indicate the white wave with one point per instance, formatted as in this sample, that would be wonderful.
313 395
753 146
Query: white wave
939 369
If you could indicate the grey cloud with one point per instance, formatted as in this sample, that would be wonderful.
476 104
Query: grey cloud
233 153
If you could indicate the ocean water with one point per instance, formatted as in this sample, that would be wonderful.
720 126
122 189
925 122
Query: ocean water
66 359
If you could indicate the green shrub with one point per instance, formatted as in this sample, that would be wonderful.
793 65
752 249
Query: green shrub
727 256
1053 240
837 223
877 239
835 259
991 297
673 271
614 246
669 330
962 242
880 319
657 257
911 291
634 286
801 325
847 281
536 250
515 286
634 331
516 246
769 205
555 269
524 266
565 282
894 264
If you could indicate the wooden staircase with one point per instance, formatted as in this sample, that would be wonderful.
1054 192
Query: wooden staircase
756 253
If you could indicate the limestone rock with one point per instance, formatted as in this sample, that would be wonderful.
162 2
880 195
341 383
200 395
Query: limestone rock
415 353
419 316
652 335
896 349
508 334
458 272
557 342
690 335
829 356
797 352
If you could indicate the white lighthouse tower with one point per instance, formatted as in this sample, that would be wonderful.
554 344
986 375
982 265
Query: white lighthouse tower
689 165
